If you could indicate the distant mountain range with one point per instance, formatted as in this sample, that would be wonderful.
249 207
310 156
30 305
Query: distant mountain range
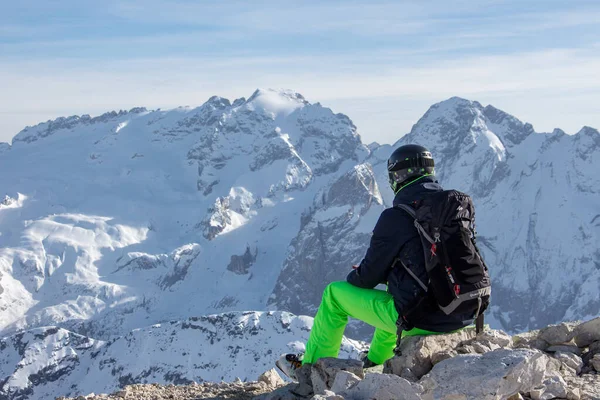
130 219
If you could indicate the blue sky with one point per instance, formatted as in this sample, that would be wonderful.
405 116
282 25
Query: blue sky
381 62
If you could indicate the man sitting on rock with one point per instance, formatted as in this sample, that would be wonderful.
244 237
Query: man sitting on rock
395 257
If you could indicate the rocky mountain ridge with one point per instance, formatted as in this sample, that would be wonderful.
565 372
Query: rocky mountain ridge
558 362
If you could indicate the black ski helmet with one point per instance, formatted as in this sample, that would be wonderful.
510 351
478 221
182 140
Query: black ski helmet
408 163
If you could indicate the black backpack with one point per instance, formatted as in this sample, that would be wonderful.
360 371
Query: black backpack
458 277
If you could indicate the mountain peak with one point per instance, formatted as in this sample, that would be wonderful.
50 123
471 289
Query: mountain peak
278 102
456 103
284 93
588 131
218 102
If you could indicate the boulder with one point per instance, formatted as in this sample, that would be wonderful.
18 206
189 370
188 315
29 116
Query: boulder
495 375
343 381
587 333
418 352
492 337
441 356
595 347
324 371
283 393
551 388
564 348
595 361
530 340
383 387
304 387
570 360
328 395
271 378
556 334
573 394
586 385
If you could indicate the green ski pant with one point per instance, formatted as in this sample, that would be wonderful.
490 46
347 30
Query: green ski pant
375 307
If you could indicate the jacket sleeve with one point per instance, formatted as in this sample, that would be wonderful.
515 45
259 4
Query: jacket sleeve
383 249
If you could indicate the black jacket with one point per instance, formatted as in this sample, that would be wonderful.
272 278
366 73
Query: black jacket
394 235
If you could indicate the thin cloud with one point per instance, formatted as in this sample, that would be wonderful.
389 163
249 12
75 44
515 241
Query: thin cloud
180 81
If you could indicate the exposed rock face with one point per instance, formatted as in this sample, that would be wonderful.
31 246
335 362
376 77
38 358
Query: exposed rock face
332 238
241 264
7 201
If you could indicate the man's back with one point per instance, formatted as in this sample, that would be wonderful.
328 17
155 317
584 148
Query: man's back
395 235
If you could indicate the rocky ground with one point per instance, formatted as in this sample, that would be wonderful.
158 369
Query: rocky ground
267 383
558 362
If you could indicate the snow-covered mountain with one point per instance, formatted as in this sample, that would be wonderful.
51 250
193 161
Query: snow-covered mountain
44 363
138 217
130 219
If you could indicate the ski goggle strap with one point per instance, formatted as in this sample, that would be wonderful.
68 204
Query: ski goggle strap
411 163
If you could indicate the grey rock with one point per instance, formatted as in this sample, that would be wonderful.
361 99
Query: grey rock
443 355
271 378
495 375
556 334
328 395
493 337
217 218
573 394
384 387
304 387
324 371
570 360
564 348
595 361
551 388
588 386
283 393
587 333
327 243
595 347
343 381
241 264
419 352
530 340
378 369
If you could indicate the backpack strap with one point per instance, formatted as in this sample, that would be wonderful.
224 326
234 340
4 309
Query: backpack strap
486 291
408 209
420 229
479 324
412 274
